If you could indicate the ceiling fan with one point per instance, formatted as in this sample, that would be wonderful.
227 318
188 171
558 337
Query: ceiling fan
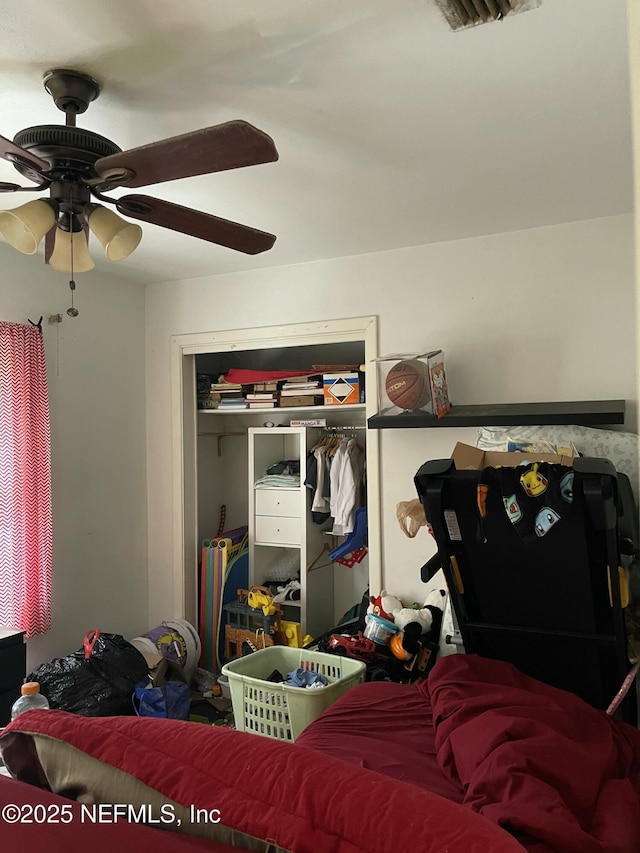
77 165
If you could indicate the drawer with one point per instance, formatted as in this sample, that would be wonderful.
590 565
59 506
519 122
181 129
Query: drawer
280 530
13 661
278 502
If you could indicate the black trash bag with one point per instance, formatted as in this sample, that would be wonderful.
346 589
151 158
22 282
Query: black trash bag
95 681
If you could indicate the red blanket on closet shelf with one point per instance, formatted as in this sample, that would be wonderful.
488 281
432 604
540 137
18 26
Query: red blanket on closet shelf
247 377
559 775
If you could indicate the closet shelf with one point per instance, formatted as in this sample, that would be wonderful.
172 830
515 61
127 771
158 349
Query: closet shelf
282 410
582 413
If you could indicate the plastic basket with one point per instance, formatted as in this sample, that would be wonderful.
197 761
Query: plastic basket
280 711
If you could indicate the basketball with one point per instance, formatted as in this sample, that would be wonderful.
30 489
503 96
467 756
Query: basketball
407 384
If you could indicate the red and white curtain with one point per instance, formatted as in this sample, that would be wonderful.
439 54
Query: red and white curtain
25 482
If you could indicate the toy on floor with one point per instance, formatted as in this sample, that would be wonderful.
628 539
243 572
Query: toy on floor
416 623
384 605
259 598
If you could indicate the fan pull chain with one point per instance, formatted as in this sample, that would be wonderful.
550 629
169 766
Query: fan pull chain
71 312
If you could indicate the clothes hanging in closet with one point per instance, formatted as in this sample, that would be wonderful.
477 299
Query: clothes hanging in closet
336 476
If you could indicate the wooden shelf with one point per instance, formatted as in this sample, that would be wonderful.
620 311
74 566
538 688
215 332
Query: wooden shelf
583 413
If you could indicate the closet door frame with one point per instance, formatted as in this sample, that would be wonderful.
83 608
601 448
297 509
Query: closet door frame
184 349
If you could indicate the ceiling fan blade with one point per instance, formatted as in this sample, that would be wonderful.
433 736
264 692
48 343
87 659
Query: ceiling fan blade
231 145
242 238
14 153
49 243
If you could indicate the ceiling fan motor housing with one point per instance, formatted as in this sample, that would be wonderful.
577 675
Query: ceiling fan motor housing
70 150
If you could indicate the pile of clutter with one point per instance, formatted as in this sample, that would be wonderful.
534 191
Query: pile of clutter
155 674
397 642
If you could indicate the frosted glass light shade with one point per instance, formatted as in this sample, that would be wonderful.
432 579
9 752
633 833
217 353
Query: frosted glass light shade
61 257
118 236
24 226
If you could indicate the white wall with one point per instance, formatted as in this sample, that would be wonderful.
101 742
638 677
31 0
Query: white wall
544 314
95 367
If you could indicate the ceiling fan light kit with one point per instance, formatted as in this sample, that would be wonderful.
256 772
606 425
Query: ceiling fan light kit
118 236
71 252
25 226
76 164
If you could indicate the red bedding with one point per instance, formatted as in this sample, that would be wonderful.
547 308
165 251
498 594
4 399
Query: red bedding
37 820
561 775
271 795
557 774
385 727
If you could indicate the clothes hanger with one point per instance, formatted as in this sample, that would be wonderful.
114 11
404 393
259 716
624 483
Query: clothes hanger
355 540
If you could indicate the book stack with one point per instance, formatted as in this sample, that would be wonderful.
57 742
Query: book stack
230 404
263 395
261 400
301 391
264 387
229 395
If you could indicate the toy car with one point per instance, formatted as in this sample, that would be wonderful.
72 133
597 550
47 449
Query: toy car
359 647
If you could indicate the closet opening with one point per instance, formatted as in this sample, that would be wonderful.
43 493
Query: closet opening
215 459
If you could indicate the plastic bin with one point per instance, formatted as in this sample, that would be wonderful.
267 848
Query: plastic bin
280 711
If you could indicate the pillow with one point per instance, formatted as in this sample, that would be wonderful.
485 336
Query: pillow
51 823
270 795
621 448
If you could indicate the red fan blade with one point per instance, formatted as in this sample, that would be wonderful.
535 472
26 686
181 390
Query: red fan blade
196 224
12 152
213 149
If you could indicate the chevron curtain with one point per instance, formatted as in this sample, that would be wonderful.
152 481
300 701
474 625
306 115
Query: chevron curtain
25 482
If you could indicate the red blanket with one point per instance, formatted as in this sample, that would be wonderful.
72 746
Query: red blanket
556 773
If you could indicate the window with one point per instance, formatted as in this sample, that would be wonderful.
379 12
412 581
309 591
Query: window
25 482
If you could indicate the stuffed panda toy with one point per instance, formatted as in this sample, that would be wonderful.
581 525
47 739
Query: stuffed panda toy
415 623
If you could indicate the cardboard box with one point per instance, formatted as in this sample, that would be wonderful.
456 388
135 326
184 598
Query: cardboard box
469 458
341 389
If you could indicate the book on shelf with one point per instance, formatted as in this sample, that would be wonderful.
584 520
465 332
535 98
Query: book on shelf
265 386
261 404
301 400
225 386
232 403
336 368
438 383
261 396
299 390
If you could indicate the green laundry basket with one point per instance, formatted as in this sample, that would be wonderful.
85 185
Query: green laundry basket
280 711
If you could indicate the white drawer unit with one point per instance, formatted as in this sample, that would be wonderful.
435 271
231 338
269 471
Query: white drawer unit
283 540
278 530
278 502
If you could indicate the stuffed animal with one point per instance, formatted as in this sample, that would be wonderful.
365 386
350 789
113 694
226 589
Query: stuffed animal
416 623
384 605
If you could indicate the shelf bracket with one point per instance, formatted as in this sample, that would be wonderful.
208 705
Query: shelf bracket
220 436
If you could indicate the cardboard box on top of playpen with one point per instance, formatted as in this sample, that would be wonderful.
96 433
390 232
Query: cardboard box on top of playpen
467 457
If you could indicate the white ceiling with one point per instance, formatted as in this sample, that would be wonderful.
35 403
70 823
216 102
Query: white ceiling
392 130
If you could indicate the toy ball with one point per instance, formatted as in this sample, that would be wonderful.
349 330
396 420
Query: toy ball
407 384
